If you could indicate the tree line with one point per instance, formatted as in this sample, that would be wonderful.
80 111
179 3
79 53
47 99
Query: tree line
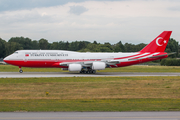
22 43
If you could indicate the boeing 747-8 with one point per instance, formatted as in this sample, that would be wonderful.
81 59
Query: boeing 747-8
87 62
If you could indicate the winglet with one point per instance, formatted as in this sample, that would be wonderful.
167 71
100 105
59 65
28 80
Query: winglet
159 43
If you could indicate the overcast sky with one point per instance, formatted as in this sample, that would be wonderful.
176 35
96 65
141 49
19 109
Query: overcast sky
132 21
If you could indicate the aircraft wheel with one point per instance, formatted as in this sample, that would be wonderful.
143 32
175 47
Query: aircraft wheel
94 71
91 71
20 71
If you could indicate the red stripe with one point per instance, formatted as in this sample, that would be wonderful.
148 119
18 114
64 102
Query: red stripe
141 56
128 56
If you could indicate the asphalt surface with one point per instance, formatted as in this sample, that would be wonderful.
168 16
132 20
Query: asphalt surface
90 116
67 74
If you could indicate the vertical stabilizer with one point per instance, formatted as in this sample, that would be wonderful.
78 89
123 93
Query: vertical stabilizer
159 43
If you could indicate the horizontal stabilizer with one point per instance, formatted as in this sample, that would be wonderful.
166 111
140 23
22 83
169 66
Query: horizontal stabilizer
163 55
158 56
171 53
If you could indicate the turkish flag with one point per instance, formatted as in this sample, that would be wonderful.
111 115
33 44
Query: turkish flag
26 55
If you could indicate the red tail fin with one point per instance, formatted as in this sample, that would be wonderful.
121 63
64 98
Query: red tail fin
159 43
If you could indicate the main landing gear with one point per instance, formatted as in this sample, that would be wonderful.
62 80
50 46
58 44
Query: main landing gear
88 71
20 70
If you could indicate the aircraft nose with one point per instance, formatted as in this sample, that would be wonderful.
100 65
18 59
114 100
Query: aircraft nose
6 59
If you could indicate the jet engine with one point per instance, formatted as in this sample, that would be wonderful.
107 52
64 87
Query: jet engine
75 67
98 66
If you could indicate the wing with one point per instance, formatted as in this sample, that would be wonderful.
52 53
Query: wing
102 64
88 66
90 63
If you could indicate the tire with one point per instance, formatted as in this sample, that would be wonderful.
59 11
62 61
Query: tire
20 71
94 71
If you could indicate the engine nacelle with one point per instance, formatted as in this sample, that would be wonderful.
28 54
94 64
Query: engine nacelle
98 66
75 67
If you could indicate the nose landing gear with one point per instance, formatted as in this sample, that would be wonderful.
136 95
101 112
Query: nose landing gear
20 70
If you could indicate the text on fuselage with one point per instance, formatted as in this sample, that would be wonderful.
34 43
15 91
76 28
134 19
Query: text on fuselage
46 54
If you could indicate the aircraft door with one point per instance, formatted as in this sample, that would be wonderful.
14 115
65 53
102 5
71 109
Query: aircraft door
26 55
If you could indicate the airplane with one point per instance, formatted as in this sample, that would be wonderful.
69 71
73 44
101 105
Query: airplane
88 62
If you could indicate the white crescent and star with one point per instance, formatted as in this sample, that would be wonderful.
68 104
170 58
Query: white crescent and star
157 41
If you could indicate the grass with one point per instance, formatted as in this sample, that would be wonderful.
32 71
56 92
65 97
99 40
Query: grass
90 94
136 68
91 105
90 88
10 68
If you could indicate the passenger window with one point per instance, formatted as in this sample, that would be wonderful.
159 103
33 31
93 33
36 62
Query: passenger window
15 52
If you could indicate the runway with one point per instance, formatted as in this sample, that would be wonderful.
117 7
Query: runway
67 74
90 116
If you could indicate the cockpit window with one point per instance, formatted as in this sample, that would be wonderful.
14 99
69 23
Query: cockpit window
15 52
